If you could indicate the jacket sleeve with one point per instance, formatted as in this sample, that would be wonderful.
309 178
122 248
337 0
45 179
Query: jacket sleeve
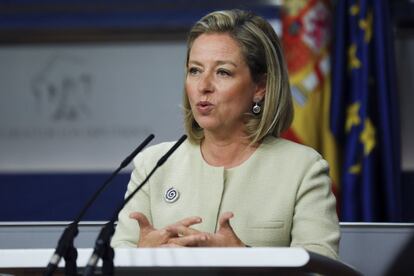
315 225
127 230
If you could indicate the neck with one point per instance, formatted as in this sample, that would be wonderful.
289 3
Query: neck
226 152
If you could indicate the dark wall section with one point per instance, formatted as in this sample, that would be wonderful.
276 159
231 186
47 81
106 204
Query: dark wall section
407 196
58 197
23 21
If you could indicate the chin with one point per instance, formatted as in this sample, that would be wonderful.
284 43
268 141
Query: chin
208 125
204 121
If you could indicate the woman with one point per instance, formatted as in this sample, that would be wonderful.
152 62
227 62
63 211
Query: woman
234 182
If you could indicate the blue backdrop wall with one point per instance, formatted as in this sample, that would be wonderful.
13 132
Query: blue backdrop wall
58 197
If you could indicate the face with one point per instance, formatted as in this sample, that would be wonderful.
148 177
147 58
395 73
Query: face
219 85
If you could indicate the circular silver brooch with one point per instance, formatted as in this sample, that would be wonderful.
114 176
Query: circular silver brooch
171 195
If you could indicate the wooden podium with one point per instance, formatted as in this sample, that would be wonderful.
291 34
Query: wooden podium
187 261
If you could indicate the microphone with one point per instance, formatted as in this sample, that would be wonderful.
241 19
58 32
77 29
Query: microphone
65 247
102 247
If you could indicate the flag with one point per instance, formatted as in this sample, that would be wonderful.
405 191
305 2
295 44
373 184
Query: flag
364 114
306 39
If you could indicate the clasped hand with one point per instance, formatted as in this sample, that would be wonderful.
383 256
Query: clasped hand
180 234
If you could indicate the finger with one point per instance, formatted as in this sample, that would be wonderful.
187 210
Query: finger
142 220
193 240
224 220
163 235
170 245
189 221
181 230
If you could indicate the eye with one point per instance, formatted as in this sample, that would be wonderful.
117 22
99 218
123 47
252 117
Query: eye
193 71
223 72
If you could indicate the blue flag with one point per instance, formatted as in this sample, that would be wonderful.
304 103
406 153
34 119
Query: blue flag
364 112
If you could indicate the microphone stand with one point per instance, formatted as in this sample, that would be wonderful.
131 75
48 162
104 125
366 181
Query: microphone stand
65 247
102 248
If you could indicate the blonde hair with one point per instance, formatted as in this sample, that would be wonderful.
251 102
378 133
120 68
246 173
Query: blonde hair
263 54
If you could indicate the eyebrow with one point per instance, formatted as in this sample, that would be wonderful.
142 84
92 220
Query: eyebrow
219 62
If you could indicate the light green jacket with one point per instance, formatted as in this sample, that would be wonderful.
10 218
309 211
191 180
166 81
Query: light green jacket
280 196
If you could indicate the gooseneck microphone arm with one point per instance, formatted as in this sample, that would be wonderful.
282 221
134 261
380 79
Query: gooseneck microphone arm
102 247
65 247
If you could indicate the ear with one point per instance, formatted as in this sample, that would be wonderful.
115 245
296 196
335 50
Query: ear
260 92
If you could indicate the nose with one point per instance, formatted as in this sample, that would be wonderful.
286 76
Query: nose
205 83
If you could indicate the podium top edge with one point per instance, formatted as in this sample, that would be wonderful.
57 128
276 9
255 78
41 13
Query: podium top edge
101 223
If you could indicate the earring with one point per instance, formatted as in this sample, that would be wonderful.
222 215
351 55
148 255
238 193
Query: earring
256 108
